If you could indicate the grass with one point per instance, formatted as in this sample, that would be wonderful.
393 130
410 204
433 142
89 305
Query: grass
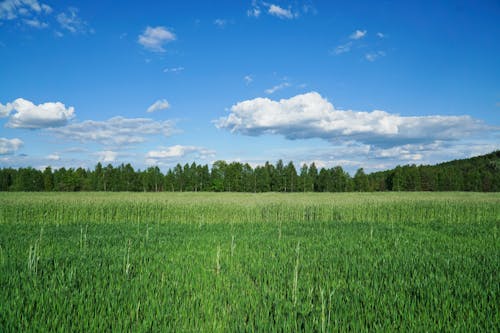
243 262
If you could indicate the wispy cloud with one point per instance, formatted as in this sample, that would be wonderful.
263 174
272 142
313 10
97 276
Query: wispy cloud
358 34
248 79
35 23
9 146
161 104
280 12
106 156
342 48
220 23
174 153
12 9
372 56
354 43
116 131
173 69
70 21
277 87
254 12
54 157
259 7
154 39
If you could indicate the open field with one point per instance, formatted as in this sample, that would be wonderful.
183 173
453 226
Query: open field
261 262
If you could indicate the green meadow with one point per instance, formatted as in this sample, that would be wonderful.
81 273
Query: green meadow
231 262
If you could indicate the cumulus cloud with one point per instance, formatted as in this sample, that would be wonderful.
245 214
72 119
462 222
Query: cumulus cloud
29 115
153 39
161 104
71 22
9 146
358 34
5 110
176 152
116 131
312 116
12 9
280 12
380 35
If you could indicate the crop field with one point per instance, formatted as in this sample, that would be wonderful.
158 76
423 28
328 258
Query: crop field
229 262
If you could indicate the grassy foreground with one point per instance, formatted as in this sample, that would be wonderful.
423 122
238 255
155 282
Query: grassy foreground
244 262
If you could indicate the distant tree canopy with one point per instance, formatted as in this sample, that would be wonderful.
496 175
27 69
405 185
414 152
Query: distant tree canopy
479 174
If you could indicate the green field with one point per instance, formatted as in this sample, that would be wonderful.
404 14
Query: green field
249 262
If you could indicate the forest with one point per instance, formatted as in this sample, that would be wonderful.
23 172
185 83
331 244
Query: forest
478 174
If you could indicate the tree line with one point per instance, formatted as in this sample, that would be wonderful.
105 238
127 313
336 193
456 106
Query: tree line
480 174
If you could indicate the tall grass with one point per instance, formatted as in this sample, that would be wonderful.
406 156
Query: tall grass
271 262
236 208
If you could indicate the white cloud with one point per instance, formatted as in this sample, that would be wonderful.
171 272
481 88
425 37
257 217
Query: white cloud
12 9
9 146
54 157
380 35
405 152
248 79
173 70
161 104
372 56
220 23
29 115
71 22
276 10
46 8
154 39
254 11
276 88
358 34
342 48
35 23
312 116
116 131
5 110
107 156
176 152
280 12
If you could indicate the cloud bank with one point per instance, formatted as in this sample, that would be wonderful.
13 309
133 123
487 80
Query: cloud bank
310 115
116 131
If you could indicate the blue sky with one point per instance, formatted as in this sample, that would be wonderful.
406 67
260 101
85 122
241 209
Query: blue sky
368 84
